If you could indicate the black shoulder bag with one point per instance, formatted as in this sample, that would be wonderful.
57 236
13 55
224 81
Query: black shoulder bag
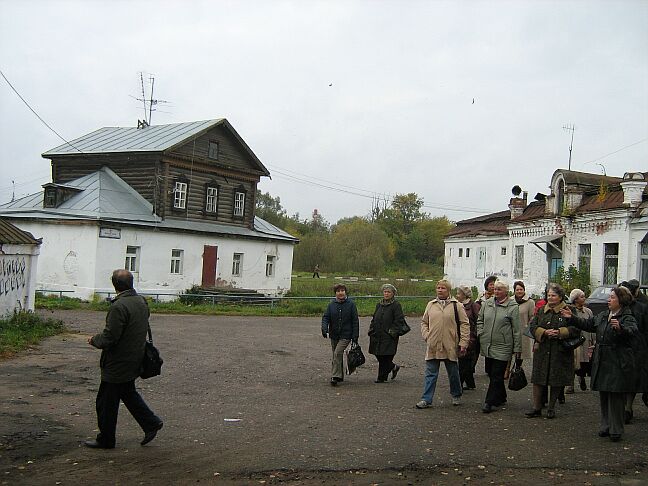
152 361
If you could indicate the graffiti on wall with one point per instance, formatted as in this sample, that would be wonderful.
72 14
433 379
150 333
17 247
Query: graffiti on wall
13 274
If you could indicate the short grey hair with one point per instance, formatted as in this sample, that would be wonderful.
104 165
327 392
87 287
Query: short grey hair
502 285
388 286
575 294
464 289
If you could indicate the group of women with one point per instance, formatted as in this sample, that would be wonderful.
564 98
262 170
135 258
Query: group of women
501 327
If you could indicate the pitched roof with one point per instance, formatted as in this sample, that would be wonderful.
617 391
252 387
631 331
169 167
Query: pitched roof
104 196
487 225
11 235
154 138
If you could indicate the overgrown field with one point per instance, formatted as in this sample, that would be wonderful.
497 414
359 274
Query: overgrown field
24 329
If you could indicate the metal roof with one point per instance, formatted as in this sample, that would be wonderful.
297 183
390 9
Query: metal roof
104 196
155 138
11 235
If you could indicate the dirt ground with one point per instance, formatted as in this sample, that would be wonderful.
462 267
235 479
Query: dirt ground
246 400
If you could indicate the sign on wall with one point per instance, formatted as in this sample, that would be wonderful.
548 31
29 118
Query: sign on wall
114 233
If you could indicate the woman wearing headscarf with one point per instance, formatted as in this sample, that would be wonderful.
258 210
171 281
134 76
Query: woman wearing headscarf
553 365
466 372
386 326
613 361
583 353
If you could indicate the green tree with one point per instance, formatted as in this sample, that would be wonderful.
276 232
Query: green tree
359 246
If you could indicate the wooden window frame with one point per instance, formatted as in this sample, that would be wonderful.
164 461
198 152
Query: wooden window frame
180 180
208 186
237 191
210 144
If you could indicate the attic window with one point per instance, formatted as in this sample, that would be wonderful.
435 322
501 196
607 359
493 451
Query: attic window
49 200
213 150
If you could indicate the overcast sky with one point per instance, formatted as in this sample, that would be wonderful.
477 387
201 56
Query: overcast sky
366 97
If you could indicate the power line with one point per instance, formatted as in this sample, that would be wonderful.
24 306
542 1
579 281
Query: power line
616 151
37 115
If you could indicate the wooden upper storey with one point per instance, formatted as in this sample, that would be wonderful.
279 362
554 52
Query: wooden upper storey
206 172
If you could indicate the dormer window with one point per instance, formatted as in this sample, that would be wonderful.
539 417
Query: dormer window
49 200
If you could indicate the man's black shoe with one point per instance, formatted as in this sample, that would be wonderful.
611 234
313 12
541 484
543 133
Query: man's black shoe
150 435
93 444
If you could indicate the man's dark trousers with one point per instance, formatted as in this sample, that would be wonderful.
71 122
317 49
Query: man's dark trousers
108 399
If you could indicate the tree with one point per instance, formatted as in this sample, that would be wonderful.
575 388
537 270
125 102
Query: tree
269 208
359 246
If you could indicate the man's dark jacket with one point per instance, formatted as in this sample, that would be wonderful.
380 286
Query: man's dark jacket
122 340
340 320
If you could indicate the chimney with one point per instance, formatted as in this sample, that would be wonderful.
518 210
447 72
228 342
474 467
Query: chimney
633 186
517 204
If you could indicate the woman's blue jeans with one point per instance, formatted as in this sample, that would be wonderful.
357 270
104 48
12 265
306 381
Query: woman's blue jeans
432 373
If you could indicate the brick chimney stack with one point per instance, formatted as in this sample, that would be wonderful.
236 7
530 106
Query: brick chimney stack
517 205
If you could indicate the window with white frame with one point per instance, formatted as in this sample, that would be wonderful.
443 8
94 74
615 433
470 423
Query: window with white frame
270 265
132 259
239 203
460 252
237 261
518 268
610 263
180 195
585 257
176 261
211 199
644 264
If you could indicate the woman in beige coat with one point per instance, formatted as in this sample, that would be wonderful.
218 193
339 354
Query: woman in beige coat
527 309
446 331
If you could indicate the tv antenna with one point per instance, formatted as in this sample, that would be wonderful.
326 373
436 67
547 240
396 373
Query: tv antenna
570 128
149 103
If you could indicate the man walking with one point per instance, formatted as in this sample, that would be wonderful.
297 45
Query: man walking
122 350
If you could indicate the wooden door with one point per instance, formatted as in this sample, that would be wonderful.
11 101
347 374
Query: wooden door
209 266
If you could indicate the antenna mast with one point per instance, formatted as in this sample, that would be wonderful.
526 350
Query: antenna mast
143 97
148 103
570 128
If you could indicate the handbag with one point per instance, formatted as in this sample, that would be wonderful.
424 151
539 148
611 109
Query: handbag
572 343
404 329
355 357
152 361
517 377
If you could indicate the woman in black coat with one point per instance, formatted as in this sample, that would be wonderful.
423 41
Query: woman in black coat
387 325
613 361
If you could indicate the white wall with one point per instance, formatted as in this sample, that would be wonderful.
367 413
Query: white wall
463 270
75 258
18 264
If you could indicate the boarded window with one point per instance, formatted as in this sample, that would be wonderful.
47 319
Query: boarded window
585 257
213 150
518 269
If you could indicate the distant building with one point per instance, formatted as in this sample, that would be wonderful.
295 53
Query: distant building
588 220
18 263
172 203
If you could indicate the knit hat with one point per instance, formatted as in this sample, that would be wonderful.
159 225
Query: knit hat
465 290
389 287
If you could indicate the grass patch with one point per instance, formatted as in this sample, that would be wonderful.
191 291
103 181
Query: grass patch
24 329
52 302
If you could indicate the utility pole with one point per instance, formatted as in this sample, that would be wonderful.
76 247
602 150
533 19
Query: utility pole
570 128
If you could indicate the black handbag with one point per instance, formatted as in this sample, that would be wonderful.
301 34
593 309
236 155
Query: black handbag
572 343
404 329
355 357
517 377
152 361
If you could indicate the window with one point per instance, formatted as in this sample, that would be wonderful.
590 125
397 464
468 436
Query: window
132 259
213 150
270 265
450 251
211 199
644 264
467 252
50 198
460 252
236 264
239 203
176 261
180 195
518 268
503 252
585 257
610 263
